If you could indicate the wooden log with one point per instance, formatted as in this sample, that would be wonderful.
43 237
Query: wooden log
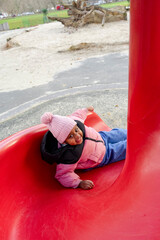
82 15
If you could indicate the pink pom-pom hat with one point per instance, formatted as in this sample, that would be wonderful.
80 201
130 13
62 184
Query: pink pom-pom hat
59 126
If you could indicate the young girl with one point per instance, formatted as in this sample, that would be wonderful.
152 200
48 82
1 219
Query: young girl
72 145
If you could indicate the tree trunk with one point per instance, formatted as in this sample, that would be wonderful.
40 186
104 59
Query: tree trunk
82 15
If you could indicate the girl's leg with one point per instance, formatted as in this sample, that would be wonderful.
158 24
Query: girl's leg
117 151
114 153
114 136
115 142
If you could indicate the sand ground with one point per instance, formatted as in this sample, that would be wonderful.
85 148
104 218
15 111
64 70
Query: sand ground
36 54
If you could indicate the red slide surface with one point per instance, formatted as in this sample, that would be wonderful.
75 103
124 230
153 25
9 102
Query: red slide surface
125 203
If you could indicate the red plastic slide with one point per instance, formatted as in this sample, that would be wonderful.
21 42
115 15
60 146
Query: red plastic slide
125 203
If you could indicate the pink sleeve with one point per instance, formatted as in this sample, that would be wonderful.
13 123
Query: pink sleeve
66 176
79 114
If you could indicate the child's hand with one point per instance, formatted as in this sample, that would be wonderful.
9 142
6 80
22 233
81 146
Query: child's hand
90 109
86 184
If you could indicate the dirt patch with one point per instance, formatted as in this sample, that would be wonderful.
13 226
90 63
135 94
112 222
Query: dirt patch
11 43
82 46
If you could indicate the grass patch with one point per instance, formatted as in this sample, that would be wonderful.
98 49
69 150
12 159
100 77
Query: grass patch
33 20
110 5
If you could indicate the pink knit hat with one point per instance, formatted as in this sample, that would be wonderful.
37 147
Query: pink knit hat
59 126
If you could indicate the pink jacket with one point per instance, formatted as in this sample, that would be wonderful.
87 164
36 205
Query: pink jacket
92 154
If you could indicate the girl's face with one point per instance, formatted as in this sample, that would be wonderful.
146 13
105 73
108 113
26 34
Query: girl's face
75 137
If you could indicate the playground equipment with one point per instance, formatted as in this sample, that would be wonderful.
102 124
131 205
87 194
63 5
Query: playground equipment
125 203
